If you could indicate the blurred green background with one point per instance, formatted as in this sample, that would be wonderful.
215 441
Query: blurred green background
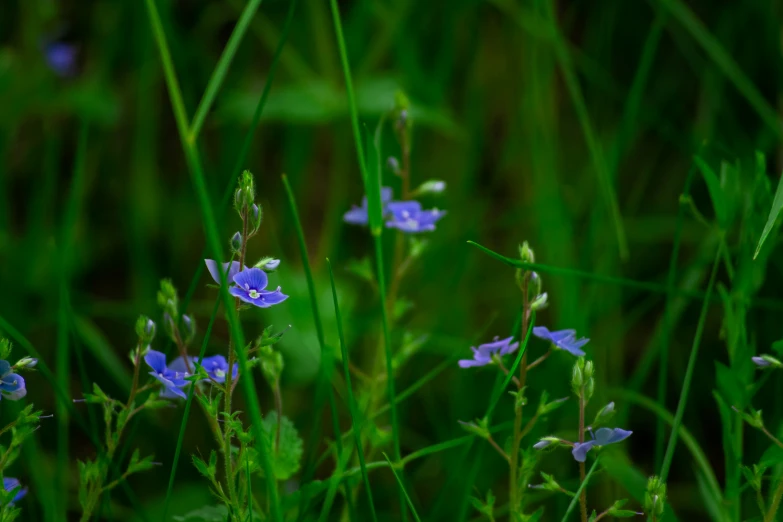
575 132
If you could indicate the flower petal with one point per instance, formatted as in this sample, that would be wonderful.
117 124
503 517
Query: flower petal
357 216
10 484
12 386
273 298
252 278
178 365
156 360
468 363
619 434
5 367
214 271
580 450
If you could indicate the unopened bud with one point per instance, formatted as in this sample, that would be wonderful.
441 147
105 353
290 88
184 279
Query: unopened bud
236 242
526 253
145 329
268 264
25 363
540 302
189 327
393 164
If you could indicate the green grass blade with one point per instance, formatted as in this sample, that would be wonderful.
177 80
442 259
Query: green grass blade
582 486
402 488
381 276
774 212
213 240
699 457
357 432
247 143
717 195
102 351
63 362
186 414
725 63
221 69
669 455
663 361
583 115
324 388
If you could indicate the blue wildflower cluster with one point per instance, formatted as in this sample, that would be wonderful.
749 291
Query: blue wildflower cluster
522 462
405 216
13 387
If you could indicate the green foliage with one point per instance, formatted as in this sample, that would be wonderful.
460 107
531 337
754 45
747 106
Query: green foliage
287 454
204 514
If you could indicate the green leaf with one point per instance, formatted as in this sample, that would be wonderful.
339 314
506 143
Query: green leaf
777 205
205 514
718 196
361 268
287 456
267 338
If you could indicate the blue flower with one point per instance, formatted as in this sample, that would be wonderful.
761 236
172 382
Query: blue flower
10 484
172 377
250 289
214 271
217 368
602 437
563 339
61 57
407 216
11 384
359 216
483 354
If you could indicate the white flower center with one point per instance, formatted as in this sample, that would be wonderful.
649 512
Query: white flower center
254 294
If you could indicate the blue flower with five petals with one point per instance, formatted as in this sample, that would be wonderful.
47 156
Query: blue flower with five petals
482 355
12 385
407 216
360 216
217 368
602 437
562 339
250 288
173 377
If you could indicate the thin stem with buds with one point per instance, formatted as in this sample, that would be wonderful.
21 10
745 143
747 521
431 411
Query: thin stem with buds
517 437
583 495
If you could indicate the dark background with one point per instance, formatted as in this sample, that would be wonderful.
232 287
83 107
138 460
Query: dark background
495 118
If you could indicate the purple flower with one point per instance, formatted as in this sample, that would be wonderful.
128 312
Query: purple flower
61 58
407 216
602 437
172 377
250 288
359 216
217 368
563 339
11 484
214 271
11 384
483 354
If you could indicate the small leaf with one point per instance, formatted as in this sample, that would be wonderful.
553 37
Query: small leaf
287 457
774 212
718 196
361 268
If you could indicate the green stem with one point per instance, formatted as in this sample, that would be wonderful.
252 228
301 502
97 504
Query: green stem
213 239
583 494
775 504
667 459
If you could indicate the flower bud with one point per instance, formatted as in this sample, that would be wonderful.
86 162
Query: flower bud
245 194
432 186
267 264
189 328
767 361
5 349
393 164
604 415
577 377
168 326
526 253
655 496
236 242
540 302
255 216
145 329
545 442
25 363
